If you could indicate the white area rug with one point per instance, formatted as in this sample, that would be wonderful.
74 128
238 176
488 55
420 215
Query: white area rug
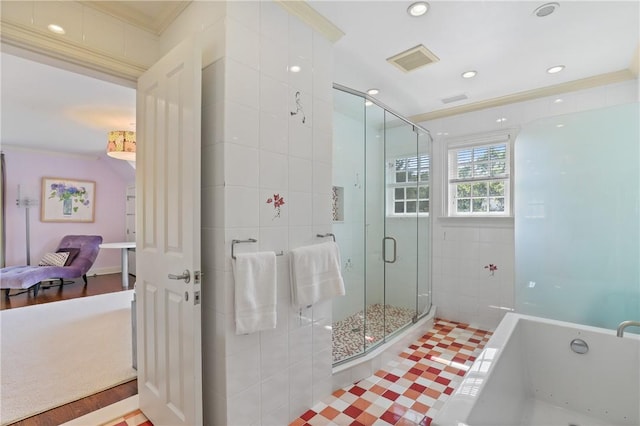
59 352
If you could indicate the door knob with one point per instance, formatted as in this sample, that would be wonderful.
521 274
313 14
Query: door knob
186 276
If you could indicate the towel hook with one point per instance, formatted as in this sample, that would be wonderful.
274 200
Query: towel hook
329 234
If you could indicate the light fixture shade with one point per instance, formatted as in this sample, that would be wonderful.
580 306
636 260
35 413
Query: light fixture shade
122 145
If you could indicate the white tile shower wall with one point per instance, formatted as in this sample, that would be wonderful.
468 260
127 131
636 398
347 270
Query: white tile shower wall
265 150
463 289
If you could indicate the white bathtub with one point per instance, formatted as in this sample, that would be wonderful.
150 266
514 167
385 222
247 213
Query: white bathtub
528 374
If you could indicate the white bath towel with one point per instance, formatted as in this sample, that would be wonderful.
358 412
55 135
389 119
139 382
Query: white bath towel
315 273
255 291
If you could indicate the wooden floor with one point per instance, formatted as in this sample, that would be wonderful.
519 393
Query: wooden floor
100 284
72 289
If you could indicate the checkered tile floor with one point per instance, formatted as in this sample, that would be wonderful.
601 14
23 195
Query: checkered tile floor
407 392
410 390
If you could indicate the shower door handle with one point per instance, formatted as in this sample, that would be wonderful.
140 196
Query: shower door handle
384 249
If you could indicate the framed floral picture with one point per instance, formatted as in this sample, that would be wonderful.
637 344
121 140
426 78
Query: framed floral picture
67 200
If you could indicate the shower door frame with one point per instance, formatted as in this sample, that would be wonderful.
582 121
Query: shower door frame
417 130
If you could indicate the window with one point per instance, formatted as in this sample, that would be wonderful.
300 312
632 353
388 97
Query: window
408 185
479 178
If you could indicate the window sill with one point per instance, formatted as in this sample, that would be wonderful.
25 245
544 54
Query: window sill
473 221
408 216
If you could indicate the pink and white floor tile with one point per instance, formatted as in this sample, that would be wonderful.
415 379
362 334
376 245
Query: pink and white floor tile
407 392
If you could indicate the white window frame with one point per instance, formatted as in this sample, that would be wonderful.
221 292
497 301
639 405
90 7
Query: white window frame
451 181
391 185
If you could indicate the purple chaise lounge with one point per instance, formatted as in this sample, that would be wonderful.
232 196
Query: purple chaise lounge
27 277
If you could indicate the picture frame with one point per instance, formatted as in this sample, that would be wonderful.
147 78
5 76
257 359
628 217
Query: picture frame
67 200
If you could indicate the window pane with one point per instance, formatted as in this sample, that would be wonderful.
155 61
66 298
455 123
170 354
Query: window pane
412 163
479 189
498 168
401 177
423 206
423 192
496 188
464 206
411 193
481 170
413 176
496 204
498 152
464 190
481 154
411 206
399 194
479 204
401 164
464 172
464 156
424 176
399 207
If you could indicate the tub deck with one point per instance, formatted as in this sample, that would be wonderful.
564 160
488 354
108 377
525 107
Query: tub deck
529 374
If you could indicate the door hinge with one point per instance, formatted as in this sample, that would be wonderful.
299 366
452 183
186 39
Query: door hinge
196 297
196 277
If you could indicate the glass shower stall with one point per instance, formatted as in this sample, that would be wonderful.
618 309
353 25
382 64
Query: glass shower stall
381 178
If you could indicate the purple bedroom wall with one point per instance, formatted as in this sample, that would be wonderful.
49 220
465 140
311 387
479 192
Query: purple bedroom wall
27 168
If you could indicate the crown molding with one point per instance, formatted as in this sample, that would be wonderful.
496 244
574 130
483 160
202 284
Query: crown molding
41 42
570 86
17 148
156 25
308 15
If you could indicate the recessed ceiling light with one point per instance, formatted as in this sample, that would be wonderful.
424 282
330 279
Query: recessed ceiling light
501 120
469 74
372 92
418 8
56 29
560 125
555 69
558 101
295 68
546 9
368 103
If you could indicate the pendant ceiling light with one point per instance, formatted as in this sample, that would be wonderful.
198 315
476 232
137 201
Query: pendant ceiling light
122 145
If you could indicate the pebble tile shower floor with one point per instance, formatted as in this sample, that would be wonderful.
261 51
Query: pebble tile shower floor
409 391
350 334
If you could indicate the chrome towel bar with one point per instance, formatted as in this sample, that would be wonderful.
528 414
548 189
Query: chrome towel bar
250 240
327 235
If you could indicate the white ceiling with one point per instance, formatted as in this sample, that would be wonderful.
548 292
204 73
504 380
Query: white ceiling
48 108
503 41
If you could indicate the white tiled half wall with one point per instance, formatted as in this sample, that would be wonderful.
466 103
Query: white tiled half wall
269 131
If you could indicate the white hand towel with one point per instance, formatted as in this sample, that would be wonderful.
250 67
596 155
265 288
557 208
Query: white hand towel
255 291
315 273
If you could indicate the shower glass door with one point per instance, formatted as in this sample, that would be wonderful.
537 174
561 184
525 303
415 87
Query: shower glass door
374 226
405 198
381 223
348 330
424 219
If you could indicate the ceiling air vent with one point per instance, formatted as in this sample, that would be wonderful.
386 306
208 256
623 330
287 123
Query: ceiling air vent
456 98
413 58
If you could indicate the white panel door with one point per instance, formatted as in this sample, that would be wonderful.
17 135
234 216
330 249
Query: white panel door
168 238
